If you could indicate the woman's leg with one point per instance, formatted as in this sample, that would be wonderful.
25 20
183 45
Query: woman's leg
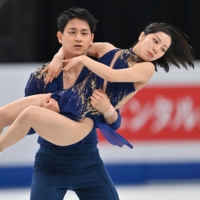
49 125
9 112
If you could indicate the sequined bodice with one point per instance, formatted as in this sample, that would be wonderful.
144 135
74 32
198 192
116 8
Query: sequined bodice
76 100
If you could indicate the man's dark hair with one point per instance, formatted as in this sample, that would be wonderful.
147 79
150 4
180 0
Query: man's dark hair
79 13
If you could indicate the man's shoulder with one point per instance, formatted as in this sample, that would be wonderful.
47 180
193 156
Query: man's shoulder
38 72
37 85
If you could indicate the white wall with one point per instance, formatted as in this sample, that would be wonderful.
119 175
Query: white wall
148 153
13 78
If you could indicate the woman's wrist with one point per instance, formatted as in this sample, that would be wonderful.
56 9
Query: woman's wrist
82 59
59 55
109 112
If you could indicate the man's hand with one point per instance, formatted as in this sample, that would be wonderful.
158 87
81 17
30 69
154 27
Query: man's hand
100 101
51 105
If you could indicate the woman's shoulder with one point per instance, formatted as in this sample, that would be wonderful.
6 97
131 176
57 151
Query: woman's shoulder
104 47
98 49
108 54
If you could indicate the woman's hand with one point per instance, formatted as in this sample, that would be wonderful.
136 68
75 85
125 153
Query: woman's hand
100 101
74 62
53 69
51 104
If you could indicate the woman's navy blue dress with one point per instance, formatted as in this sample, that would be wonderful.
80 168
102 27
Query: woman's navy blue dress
75 101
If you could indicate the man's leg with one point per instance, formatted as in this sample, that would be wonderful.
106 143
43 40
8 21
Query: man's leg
94 181
48 182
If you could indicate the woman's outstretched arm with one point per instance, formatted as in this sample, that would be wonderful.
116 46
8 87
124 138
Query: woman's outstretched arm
50 125
140 72
54 68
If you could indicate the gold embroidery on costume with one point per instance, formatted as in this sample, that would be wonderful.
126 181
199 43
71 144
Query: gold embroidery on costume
124 100
89 83
130 57
80 94
86 106
37 75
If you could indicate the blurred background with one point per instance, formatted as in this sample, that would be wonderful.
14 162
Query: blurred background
162 121
28 28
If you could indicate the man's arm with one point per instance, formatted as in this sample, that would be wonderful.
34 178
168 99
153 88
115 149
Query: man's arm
101 102
115 123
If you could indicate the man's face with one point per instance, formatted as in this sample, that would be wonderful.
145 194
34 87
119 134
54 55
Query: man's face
76 38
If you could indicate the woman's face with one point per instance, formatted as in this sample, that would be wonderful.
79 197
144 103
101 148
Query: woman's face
152 46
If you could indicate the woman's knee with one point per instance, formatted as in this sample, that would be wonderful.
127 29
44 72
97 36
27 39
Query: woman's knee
28 113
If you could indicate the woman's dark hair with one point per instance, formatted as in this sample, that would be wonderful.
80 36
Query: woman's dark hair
179 52
79 13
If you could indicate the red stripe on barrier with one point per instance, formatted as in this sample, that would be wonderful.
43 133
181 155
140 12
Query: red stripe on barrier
162 113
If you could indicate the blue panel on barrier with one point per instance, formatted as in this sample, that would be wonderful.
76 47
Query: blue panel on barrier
120 173
15 176
142 173
171 171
